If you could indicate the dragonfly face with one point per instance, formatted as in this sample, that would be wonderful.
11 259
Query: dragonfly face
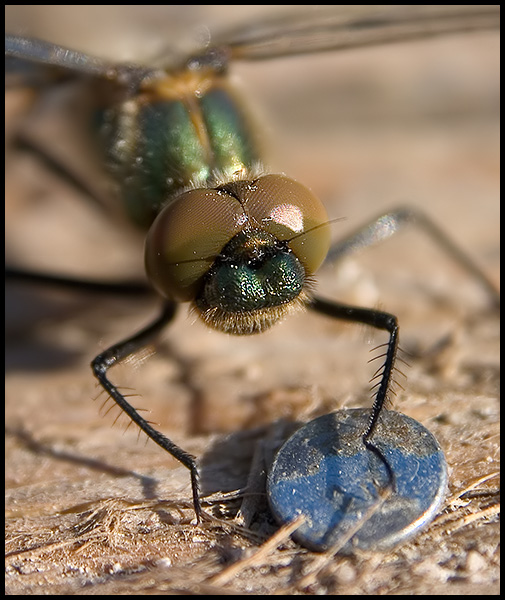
247 258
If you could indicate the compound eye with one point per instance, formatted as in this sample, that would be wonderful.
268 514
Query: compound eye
186 237
190 233
290 211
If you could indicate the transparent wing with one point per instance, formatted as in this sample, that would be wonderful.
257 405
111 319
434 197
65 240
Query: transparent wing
22 55
299 31
38 51
324 28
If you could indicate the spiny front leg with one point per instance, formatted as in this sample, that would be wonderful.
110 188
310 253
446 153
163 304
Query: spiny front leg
104 361
378 320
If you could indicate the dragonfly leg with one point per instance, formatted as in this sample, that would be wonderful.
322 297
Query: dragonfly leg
390 223
379 320
104 361
19 275
378 230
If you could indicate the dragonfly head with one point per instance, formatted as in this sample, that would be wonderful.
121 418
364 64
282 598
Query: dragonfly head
244 252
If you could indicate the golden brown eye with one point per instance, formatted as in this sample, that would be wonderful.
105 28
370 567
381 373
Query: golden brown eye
185 239
241 252
289 211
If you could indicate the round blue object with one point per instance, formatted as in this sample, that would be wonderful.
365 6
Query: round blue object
347 494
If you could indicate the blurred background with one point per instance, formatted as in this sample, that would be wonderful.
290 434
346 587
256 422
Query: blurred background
367 130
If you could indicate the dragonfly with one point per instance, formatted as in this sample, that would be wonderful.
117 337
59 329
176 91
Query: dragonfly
240 244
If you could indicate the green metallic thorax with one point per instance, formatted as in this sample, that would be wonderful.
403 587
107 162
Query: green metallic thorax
176 132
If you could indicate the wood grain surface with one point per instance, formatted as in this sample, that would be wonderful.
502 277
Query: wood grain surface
91 508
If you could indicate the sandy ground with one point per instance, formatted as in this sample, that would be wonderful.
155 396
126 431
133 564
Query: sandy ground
93 509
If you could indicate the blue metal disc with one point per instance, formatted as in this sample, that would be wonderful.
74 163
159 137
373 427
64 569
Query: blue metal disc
326 473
